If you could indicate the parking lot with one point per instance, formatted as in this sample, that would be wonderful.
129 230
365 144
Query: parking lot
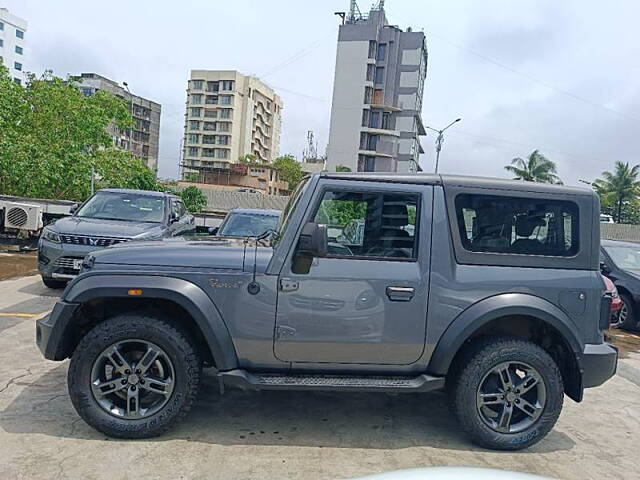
282 434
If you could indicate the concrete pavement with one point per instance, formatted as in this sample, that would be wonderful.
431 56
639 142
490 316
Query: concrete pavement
283 435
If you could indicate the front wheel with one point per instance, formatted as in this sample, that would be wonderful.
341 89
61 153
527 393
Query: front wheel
133 376
626 317
507 393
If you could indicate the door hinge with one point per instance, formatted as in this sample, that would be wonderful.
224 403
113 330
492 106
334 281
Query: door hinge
288 285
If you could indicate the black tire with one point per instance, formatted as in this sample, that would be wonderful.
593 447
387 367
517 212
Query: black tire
474 368
630 322
52 283
177 348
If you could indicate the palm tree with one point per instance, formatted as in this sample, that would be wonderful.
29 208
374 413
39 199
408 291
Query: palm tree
536 168
619 187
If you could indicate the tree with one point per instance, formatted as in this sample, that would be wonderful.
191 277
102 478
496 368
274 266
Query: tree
289 169
618 191
342 168
193 199
536 168
248 158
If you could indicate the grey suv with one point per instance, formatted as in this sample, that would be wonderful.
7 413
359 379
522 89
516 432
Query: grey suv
488 288
109 217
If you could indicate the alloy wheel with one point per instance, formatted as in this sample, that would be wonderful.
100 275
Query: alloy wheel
511 397
132 379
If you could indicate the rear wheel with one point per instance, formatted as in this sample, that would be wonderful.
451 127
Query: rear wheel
626 317
52 283
134 376
507 394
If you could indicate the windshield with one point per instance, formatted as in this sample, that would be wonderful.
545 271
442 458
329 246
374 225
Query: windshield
124 206
626 258
288 210
248 224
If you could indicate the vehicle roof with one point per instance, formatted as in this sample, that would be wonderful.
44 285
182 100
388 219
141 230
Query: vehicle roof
618 243
149 193
257 211
458 180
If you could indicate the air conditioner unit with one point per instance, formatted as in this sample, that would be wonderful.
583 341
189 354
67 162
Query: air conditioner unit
21 216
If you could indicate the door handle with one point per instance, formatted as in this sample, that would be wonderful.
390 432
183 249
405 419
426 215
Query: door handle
400 294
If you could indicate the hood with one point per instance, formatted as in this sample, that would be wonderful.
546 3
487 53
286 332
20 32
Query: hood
102 228
203 252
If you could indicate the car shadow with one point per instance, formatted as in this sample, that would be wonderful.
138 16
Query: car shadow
38 288
276 418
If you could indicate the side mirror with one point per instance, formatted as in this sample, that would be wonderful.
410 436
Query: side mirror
173 217
313 240
604 268
213 230
73 208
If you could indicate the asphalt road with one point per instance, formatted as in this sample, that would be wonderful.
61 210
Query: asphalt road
280 435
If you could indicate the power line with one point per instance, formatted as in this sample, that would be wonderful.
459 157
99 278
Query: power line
295 57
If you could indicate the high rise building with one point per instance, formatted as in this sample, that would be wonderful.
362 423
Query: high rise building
229 115
12 44
143 139
376 122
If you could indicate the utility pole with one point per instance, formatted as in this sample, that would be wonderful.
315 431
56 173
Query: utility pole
440 140
126 86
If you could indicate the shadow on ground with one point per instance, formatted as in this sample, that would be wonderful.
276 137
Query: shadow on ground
38 288
313 419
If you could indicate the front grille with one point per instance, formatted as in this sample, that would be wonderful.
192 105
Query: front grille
66 262
91 241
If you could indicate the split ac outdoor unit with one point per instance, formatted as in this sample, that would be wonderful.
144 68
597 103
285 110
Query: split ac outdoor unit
22 216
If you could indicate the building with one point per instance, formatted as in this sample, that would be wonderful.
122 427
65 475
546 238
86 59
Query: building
143 140
377 95
13 31
241 177
229 115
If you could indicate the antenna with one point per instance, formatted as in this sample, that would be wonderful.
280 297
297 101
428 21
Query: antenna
310 153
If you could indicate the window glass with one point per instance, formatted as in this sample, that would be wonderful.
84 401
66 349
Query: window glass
1 26
625 257
382 51
197 84
125 207
17 66
19 33
525 226
379 74
369 224
18 50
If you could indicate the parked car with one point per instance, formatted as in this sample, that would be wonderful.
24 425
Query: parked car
109 217
248 222
620 261
616 301
495 293
606 218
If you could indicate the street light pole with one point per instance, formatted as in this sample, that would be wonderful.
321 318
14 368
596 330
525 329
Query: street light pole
440 139
126 86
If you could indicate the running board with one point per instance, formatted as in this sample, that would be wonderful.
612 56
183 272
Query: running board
346 383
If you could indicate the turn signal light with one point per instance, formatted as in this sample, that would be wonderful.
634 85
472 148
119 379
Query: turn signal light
135 291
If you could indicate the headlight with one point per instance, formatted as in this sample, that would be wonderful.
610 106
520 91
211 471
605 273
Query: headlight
51 235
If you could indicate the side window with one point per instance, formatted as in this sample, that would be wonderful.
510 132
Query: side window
181 209
368 224
513 225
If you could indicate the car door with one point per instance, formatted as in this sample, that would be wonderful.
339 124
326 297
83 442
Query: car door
366 301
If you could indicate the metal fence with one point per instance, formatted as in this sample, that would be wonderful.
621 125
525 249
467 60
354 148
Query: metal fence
222 201
620 231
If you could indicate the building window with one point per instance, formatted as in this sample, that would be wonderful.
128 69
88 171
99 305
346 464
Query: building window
193 151
223 140
196 112
223 127
196 99
368 94
379 75
363 140
227 85
209 139
211 100
369 164
386 121
213 86
194 125
375 120
210 126
365 117
18 50
18 81
382 52
225 113
222 153
225 100
371 70
208 152
197 84
1 26
372 142
19 33
87 92
210 113
193 138
1 43
17 66
372 48
378 97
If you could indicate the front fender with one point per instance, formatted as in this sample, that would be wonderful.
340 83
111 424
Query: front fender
491 308
189 296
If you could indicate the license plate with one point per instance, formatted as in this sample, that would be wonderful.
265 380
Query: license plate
77 264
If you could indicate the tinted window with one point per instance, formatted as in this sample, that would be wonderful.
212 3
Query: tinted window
525 226
369 224
239 224
625 257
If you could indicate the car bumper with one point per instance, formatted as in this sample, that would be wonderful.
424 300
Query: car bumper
55 260
50 331
598 364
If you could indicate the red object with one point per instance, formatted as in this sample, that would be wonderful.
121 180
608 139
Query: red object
616 301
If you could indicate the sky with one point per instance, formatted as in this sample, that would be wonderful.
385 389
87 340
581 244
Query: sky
558 76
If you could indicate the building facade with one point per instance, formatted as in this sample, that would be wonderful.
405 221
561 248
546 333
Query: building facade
13 31
376 120
143 139
242 177
228 116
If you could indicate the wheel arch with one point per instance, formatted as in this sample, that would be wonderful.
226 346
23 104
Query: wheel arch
182 302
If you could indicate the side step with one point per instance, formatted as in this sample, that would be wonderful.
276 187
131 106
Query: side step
346 383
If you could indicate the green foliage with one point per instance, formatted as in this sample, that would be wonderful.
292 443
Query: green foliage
51 135
536 168
193 199
289 169
192 177
342 168
340 212
618 192
249 158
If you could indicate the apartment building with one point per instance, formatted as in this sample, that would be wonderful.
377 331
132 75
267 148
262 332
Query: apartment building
143 139
13 31
376 120
228 116
241 177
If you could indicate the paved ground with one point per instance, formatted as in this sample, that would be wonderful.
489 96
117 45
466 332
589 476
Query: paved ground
278 435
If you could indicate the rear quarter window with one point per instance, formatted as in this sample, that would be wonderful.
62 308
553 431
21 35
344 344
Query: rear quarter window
517 225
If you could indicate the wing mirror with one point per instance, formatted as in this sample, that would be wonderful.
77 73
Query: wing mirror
313 240
174 217
213 230
604 268
73 208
